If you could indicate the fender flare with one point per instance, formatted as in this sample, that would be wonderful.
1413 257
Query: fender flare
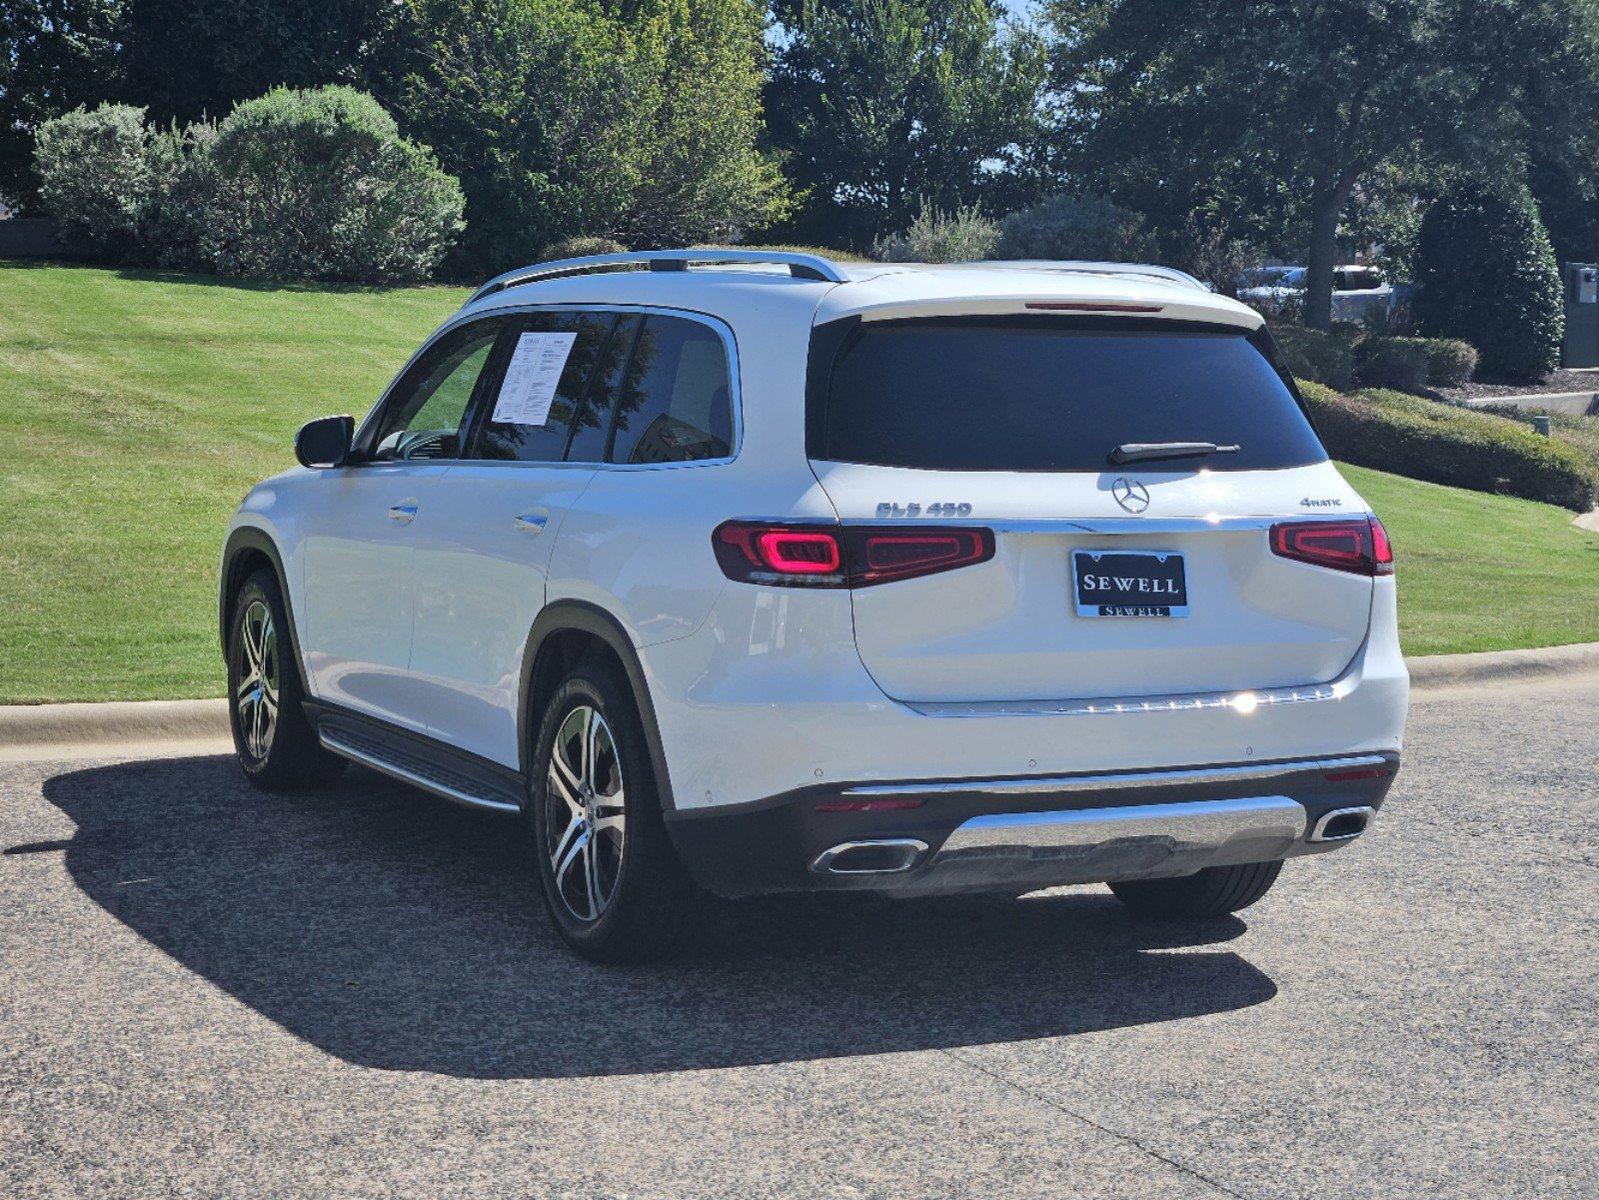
249 537
565 615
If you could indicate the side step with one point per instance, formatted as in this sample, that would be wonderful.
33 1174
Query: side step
409 759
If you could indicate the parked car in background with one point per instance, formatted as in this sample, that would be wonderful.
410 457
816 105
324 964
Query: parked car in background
1360 293
757 572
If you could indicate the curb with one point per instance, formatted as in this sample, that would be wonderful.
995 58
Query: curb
44 726
1575 404
29 727
1587 520
1436 671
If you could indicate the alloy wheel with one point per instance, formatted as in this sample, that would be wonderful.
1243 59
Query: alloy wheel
585 816
257 689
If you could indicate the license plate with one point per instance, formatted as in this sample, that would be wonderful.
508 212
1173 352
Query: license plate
1121 584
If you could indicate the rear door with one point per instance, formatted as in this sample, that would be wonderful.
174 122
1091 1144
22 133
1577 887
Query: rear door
482 553
1149 577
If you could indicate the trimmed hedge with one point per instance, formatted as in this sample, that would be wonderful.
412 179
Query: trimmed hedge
1391 362
1450 361
1439 443
1485 272
1323 358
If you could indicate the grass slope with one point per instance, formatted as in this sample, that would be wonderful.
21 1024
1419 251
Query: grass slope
138 408
135 411
1481 572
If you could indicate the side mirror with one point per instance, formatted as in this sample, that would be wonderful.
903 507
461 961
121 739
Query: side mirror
324 442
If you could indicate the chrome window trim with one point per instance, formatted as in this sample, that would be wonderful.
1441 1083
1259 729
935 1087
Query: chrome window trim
721 328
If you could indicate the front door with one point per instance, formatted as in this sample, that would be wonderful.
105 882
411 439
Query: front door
359 537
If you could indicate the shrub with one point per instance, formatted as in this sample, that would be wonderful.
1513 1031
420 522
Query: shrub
577 247
963 235
319 184
98 176
1324 358
1450 361
1485 272
1391 362
1440 443
1580 433
1071 227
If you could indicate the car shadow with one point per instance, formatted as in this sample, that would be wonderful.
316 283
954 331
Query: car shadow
396 931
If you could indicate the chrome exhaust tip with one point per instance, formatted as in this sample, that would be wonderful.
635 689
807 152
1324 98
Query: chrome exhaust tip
1342 824
878 856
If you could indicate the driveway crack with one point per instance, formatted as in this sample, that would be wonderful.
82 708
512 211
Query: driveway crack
1093 1124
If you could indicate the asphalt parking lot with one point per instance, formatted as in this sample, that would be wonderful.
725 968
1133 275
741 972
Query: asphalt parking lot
210 992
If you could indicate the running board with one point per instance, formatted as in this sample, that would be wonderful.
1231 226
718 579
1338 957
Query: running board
410 760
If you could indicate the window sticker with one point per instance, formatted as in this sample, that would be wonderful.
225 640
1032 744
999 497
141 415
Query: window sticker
532 377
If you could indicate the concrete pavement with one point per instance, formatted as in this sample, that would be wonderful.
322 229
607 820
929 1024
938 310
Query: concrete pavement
207 991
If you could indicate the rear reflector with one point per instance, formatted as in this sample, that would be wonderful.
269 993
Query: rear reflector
884 805
1357 773
843 555
1360 547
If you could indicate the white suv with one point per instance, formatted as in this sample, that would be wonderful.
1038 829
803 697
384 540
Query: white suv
753 572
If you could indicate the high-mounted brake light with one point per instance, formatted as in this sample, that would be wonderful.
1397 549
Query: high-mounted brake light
1359 547
843 555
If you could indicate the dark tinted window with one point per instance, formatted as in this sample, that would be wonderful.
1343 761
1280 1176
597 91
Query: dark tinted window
425 413
1043 395
532 432
675 403
592 424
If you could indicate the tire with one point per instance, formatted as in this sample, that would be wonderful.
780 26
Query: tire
612 882
1213 892
275 744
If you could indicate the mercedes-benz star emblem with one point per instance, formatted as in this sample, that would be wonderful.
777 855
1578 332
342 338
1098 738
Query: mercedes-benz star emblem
1130 494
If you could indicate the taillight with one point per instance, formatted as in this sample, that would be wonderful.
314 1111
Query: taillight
1361 547
843 555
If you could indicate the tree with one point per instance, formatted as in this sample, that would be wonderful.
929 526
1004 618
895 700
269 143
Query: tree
55 56
884 107
1486 274
1293 105
184 59
564 119
697 69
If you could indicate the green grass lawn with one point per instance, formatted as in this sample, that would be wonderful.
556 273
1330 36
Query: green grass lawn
139 407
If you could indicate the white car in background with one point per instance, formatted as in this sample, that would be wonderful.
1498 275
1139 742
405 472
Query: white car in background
753 572
1360 293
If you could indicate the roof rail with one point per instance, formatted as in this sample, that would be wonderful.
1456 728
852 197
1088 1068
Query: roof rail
801 266
1170 274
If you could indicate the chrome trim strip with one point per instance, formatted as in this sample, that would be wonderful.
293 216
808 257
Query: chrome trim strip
384 767
1088 526
824 860
1245 701
1121 781
1319 833
1132 842
800 265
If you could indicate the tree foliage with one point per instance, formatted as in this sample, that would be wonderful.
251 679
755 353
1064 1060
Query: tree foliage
1486 274
55 56
187 59
564 119
1284 109
883 107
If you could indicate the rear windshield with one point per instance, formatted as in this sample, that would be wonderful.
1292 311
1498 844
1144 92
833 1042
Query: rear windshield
1029 394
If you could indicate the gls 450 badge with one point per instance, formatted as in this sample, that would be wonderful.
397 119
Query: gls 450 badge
941 509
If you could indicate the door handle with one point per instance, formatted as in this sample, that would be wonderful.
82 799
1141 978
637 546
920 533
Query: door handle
533 522
403 512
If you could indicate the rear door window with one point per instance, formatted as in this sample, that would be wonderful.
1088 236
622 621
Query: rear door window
523 421
1047 394
675 402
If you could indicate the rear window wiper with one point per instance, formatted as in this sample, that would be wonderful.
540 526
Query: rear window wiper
1145 451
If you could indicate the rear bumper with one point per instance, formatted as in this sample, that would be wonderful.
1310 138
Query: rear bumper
924 838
